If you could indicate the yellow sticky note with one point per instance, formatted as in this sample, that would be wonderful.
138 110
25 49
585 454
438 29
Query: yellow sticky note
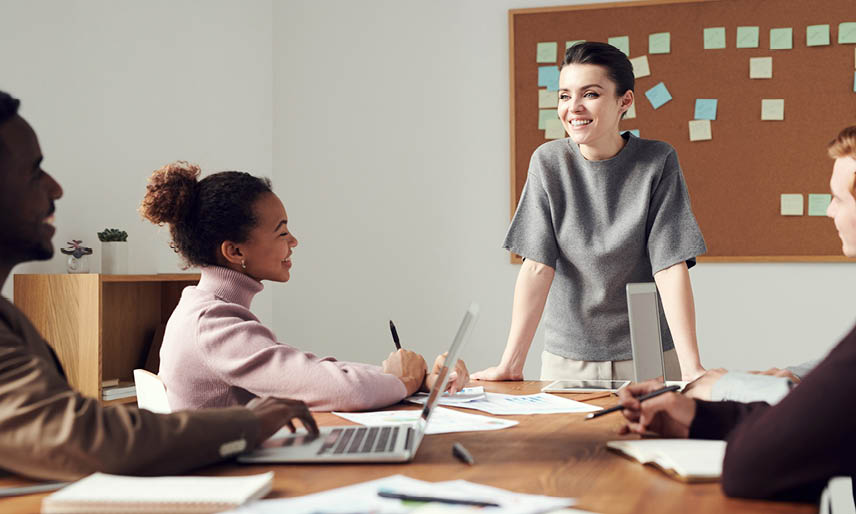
553 129
791 205
700 130
773 109
760 67
631 112
546 52
547 99
641 67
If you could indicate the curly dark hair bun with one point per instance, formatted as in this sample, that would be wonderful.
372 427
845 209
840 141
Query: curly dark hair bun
170 193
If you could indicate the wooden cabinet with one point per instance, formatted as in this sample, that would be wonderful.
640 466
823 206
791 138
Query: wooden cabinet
100 326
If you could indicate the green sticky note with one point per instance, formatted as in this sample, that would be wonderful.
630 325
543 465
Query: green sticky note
569 44
781 39
791 205
817 35
660 43
547 51
847 33
748 37
620 42
714 38
547 99
553 129
544 115
818 203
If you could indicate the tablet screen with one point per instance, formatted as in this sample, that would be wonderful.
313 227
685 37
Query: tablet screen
585 385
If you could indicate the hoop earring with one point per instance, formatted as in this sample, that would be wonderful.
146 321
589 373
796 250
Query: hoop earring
243 264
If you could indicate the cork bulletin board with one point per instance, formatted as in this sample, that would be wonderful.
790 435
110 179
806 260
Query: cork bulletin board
736 178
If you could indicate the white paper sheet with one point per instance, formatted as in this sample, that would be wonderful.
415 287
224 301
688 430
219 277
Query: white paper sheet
443 421
540 403
465 395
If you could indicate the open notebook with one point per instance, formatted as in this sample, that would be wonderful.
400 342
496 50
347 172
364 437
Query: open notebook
101 492
688 460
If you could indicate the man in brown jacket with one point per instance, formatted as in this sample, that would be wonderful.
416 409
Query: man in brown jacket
48 430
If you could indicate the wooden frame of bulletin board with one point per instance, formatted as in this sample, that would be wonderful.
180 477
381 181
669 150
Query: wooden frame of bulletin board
735 179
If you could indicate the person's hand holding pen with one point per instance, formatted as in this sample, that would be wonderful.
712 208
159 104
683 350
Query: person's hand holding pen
668 415
408 366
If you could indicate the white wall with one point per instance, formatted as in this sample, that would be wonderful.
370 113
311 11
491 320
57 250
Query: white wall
389 124
392 155
115 89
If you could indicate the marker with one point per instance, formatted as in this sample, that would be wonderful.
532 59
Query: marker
642 398
394 335
462 454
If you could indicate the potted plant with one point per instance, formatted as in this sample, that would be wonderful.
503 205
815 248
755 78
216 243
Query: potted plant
77 261
114 251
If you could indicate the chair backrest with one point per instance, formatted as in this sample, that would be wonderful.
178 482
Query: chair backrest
151 393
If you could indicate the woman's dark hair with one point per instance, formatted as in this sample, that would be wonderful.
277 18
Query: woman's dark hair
201 214
617 64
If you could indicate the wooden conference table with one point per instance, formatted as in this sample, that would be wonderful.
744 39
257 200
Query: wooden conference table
551 454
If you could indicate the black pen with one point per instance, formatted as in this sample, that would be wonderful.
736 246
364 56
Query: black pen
462 454
394 335
383 493
658 392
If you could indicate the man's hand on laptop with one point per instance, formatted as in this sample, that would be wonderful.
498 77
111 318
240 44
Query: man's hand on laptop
408 366
458 378
274 413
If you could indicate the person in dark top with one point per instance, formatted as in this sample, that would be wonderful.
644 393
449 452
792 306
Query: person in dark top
788 451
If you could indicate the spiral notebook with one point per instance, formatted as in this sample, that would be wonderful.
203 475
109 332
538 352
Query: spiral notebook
687 460
101 492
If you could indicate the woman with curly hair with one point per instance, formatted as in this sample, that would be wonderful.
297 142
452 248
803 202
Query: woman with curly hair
215 351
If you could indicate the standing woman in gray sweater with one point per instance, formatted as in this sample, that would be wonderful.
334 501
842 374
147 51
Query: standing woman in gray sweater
600 209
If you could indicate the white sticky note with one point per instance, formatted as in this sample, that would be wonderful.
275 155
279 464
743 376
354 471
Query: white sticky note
791 205
620 42
641 68
631 112
553 129
760 67
547 99
700 130
773 109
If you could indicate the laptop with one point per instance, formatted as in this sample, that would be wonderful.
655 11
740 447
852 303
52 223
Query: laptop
643 309
357 443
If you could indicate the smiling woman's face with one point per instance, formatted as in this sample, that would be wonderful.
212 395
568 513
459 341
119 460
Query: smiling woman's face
842 208
27 195
267 251
588 105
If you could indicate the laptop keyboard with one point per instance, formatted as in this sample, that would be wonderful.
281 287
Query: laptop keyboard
355 440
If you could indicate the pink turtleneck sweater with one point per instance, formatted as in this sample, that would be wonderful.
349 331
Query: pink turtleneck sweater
216 353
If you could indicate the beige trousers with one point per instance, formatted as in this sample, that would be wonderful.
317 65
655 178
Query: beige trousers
554 367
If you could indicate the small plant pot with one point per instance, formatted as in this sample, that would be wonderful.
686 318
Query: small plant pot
114 257
77 264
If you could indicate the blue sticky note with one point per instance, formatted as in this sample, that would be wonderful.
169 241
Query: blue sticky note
658 95
548 76
705 109
635 132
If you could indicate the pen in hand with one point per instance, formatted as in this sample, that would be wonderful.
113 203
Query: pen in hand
642 398
394 335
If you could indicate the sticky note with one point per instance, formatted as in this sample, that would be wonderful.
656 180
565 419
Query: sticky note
548 98
847 33
658 95
547 51
705 109
553 129
854 82
792 205
569 44
714 38
700 130
631 112
817 35
545 115
781 39
548 76
635 132
659 43
760 67
818 203
773 109
640 66
747 37
620 42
